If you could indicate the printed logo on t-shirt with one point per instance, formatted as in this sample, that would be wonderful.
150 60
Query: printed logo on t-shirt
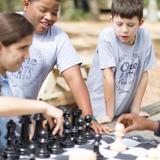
126 73
31 68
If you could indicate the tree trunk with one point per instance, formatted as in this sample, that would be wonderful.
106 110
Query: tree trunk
94 9
9 5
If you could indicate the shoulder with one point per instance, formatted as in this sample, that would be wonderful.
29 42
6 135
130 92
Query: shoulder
144 33
56 31
107 34
107 31
53 35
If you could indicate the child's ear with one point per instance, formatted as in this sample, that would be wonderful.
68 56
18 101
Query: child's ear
141 22
26 4
0 45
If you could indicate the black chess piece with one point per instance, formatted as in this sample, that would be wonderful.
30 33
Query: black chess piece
89 134
67 140
53 141
32 148
54 144
67 115
10 153
24 135
38 126
42 151
80 139
75 116
2 154
97 143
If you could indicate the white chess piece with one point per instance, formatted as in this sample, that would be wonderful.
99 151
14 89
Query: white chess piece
158 151
152 154
82 154
118 145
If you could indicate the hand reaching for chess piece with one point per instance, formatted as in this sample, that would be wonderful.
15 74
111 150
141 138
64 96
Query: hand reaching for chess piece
118 145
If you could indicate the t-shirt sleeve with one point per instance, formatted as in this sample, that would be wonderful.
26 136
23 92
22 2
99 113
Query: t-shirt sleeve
150 56
66 54
106 57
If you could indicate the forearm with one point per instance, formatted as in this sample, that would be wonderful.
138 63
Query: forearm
79 89
109 93
10 106
140 93
81 97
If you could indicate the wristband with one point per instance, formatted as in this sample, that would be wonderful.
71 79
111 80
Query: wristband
157 132
94 118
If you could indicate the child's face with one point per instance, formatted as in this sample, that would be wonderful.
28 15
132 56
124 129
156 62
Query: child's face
12 56
126 29
42 13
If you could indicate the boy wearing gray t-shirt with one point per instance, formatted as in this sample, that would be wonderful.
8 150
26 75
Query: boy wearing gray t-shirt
119 72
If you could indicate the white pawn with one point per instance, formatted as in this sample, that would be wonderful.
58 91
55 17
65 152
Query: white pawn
118 145
152 154
82 154
158 151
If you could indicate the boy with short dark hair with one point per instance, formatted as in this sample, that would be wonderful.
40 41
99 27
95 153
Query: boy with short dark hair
51 47
119 72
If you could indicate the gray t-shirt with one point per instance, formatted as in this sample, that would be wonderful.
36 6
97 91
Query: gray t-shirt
128 63
47 50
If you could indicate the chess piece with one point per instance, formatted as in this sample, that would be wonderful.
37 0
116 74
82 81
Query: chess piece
97 143
158 151
32 150
10 152
38 126
80 139
82 154
67 141
152 154
42 151
54 144
24 135
75 116
118 145
89 134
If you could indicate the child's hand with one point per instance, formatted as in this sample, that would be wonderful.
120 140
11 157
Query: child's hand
100 128
132 122
58 115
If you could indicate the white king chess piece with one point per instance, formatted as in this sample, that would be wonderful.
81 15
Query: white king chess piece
118 145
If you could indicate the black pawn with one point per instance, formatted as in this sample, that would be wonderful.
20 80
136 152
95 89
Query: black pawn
89 134
10 152
75 116
67 139
42 151
98 138
32 147
54 144
80 139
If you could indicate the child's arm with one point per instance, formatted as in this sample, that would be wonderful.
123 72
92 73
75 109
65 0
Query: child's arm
109 92
10 106
136 104
75 81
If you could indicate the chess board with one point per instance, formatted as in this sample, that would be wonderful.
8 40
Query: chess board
137 149
137 146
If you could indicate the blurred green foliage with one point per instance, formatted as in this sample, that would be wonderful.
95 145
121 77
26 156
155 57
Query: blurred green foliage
10 5
68 10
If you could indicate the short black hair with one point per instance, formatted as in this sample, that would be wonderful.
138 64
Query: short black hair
127 8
